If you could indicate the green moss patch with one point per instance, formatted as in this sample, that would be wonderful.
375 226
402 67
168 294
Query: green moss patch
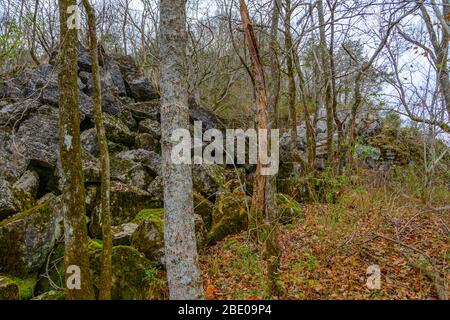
154 215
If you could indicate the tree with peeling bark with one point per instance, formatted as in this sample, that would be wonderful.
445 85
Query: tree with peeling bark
105 209
264 213
183 274
259 190
76 240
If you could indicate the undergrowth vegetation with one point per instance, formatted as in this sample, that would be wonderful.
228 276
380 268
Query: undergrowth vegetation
370 220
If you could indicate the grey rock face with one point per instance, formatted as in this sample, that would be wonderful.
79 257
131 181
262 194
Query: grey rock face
28 183
149 239
149 159
122 234
113 78
145 110
12 156
89 141
111 104
128 171
127 118
39 135
208 119
11 115
126 203
84 59
151 127
8 202
117 131
147 142
141 89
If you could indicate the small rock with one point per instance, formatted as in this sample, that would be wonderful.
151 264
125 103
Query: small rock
145 110
122 234
142 90
151 127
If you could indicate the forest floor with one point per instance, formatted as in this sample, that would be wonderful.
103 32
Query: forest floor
326 253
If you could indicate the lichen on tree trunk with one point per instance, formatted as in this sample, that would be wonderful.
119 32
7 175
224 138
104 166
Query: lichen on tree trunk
106 267
70 156
183 272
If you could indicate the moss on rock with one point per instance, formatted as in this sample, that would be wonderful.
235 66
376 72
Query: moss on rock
154 215
134 276
126 203
149 235
28 237
230 216
9 290
203 207
26 286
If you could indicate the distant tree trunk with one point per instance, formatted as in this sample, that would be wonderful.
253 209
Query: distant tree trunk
33 34
340 150
259 188
291 81
273 250
143 45
358 99
274 90
328 84
124 27
106 267
179 231
76 253
310 134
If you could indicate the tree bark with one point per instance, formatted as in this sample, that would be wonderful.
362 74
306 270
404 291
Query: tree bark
310 132
106 267
33 34
273 249
179 232
260 181
292 100
274 90
328 84
76 253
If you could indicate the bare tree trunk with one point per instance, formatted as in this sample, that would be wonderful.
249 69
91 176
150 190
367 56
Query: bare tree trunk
33 34
183 273
260 181
329 89
340 156
274 90
291 81
310 134
76 253
352 126
273 250
124 27
106 267
143 45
